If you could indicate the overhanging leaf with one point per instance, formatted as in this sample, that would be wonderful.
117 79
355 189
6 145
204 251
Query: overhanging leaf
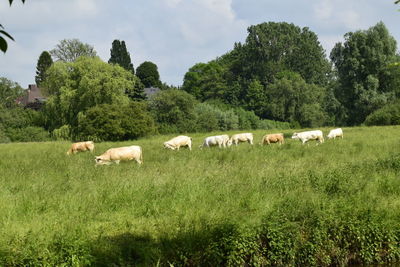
3 44
6 34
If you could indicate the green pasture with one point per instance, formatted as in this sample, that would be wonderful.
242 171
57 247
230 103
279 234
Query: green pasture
331 204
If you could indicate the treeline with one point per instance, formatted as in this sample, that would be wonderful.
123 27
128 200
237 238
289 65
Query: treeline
279 77
281 72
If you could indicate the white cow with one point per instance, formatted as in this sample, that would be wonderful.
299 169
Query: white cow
243 137
120 153
309 135
335 133
177 142
218 140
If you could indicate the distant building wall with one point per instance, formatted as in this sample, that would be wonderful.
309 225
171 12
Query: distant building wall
32 95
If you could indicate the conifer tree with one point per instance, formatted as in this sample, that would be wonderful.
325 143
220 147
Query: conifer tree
121 56
44 62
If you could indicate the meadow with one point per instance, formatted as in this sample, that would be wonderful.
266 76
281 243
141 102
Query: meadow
332 204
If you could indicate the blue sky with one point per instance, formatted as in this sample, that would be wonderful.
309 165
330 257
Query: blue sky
174 34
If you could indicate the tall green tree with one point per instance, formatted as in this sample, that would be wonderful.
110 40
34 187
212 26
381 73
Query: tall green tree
148 74
362 61
9 92
273 47
69 50
44 62
293 100
121 56
74 87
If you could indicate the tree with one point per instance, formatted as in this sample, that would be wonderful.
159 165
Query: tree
291 99
148 74
43 64
121 56
273 47
74 87
362 62
69 50
9 92
206 81
174 111
3 42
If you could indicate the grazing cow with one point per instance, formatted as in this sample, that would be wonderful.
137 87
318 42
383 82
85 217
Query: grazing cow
335 133
176 142
80 147
273 138
309 135
243 137
220 140
120 153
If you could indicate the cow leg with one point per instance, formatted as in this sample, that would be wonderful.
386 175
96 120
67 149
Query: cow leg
117 161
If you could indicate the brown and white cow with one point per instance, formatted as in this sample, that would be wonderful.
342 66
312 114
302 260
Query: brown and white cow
273 138
80 147
118 154
176 142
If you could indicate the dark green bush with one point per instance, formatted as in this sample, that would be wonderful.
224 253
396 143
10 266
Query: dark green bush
115 123
28 134
174 108
388 115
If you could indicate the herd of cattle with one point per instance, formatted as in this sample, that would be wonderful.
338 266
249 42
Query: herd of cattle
135 152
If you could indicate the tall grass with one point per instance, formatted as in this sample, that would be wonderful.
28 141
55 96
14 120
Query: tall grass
331 204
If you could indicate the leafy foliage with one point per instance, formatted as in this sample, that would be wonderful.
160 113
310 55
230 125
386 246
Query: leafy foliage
362 61
291 99
77 86
9 92
69 50
387 115
174 111
112 122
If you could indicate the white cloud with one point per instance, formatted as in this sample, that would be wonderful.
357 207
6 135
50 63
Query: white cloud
174 34
323 10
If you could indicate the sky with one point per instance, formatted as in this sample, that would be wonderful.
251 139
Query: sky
173 34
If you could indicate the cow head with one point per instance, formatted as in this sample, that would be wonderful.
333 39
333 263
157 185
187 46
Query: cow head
168 145
229 143
295 136
101 161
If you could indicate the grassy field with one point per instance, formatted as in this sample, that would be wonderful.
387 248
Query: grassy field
333 204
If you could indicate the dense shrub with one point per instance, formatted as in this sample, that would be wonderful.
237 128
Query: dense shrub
28 134
206 117
271 124
174 111
388 115
247 119
3 136
62 133
115 123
